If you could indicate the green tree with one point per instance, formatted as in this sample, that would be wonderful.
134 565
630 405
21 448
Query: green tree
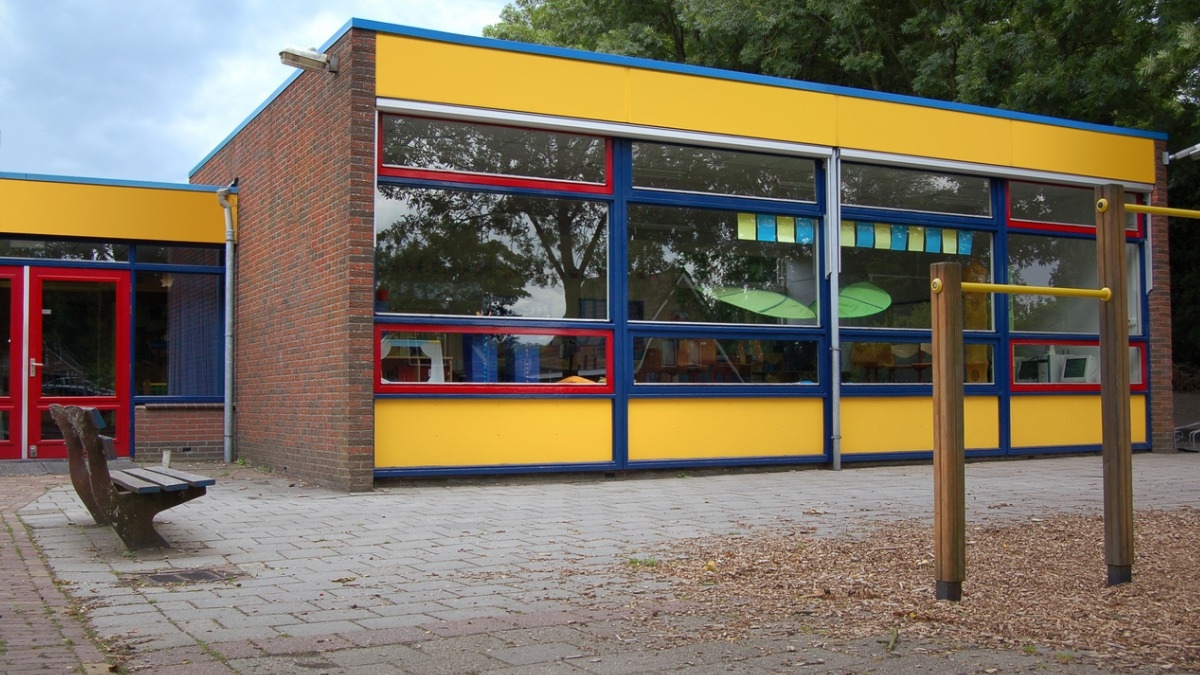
1133 63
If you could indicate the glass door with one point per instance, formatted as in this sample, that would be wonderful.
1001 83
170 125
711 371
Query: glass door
76 353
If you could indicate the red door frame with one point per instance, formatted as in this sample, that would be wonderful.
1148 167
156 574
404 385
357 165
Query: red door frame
11 406
36 405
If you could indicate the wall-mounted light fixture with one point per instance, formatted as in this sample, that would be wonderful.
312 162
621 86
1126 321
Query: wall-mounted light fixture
308 59
1193 152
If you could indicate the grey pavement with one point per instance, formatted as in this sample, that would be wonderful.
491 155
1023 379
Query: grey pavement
509 574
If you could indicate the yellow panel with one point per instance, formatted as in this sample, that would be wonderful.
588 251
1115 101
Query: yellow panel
1047 421
676 101
704 428
425 70
1087 153
432 71
884 126
490 432
896 424
63 209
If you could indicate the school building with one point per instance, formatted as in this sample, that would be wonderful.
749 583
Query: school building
455 255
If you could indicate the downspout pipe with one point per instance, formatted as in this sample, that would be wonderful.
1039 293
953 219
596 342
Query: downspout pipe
223 200
833 264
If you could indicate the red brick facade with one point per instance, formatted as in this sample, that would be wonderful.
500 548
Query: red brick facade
303 314
191 431
1162 424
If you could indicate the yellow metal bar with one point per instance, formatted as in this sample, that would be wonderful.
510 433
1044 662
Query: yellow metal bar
1102 206
972 287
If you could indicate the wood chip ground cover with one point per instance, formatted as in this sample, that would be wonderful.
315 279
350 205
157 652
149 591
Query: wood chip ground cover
1035 584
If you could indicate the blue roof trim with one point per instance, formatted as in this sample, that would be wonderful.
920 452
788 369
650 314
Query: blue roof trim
110 182
648 64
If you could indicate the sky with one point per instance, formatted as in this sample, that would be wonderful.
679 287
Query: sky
143 90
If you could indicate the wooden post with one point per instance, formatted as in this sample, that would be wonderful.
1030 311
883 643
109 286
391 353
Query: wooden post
1117 450
949 482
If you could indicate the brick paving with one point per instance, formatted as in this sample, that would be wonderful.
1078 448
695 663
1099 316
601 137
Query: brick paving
511 575
38 631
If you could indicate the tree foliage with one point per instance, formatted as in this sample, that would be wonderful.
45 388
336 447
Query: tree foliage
1133 63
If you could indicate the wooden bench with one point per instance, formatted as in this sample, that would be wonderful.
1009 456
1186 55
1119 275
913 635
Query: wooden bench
127 500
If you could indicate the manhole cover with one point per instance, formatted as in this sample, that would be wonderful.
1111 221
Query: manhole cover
194 576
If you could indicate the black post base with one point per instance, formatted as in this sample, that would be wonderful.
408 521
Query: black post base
1119 574
949 590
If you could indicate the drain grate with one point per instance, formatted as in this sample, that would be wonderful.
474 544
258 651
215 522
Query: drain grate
194 576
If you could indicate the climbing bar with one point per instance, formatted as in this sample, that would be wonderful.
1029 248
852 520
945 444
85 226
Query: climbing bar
972 287
1102 206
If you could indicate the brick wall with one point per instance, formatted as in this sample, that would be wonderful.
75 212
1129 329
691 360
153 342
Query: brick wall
1162 413
191 431
304 271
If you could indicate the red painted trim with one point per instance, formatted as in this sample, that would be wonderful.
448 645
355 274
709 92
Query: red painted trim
498 387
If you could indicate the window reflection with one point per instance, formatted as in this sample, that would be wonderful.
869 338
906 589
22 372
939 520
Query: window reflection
885 276
489 254
721 267
710 360
727 172
909 362
484 149
888 187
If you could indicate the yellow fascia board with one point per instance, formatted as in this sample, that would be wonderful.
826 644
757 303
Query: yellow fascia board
62 208
434 71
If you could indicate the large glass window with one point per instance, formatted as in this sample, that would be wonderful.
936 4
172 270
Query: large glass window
178 334
888 187
721 266
726 172
457 357
885 273
715 360
1036 260
442 145
179 255
453 252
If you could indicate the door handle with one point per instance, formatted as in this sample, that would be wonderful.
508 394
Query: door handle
33 365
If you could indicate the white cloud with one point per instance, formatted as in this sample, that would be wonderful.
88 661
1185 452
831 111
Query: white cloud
143 89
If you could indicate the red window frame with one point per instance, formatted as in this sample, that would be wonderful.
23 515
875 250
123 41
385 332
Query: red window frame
605 387
1067 386
497 180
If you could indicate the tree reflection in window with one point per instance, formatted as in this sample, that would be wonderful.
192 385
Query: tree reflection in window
894 188
727 172
489 254
443 145
708 266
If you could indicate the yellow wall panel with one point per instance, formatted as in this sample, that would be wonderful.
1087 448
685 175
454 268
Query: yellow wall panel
431 71
677 101
1082 152
475 432
705 428
1048 421
440 72
65 209
905 424
884 126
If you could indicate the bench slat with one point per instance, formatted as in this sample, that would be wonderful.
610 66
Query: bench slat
133 483
168 483
193 479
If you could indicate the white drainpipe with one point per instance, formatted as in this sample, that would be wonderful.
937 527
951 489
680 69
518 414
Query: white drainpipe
223 200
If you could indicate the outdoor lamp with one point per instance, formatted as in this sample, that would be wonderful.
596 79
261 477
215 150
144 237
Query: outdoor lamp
308 59
1193 152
